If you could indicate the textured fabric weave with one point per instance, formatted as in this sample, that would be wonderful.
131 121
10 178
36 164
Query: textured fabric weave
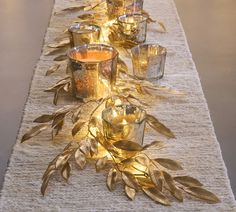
196 146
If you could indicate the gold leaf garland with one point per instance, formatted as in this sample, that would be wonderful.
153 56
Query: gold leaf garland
127 160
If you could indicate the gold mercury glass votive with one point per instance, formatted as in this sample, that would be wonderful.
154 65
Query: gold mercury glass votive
116 8
83 33
133 27
93 70
148 61
124 122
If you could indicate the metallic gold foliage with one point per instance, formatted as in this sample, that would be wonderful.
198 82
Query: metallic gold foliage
101 163
65 171
127 161
203 194
128 145
156 177
156 144
62 43
156 195
34 131
169 164
130 192
175 191
159 127
188 181
130 180
52 69
44 118
77 127
111 179
80 159
70 10
61 57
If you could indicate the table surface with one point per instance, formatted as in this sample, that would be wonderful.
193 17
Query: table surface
211 37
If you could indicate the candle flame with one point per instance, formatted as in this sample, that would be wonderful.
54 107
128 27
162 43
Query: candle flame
114 113
124 121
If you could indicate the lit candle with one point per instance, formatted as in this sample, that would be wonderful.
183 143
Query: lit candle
133 27
125 122
148 61
116 8
83 33
93 70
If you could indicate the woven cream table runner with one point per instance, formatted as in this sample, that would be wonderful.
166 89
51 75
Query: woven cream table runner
196 146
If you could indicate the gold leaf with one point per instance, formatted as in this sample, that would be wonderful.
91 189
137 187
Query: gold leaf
145 182
86 16
121 66
159 127
58 119
93 122
58 127
172 188
85 147
66 87
162 25
44 185
139 89
80 159
101 163
65 171
77 127
128 145
109 103
156 177
142 160
203 194
188 181
169 164
130 180
156 195
153 144
94 146
52 69
61 57
76 115
54 51
55 98
34 131
62 159
62 43
44 118
59 84
111 179
65 109
70 9
71 147
130 192
49 171
149 20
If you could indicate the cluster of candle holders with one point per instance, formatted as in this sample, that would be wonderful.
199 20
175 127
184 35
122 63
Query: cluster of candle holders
93 66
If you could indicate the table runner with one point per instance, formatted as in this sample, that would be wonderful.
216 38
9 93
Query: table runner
196 146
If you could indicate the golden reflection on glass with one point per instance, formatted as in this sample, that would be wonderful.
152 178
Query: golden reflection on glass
148 61
116 8
84 33
133 27
93 70
124 122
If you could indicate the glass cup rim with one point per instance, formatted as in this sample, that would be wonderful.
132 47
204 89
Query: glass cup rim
77 48
125 106
73 27
163 49
145 17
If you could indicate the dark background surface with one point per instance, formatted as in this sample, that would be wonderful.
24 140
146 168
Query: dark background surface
211 33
